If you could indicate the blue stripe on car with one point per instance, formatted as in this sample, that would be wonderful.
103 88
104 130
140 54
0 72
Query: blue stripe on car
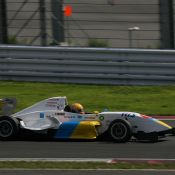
66 129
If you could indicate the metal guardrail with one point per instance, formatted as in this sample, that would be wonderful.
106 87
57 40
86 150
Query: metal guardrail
87 65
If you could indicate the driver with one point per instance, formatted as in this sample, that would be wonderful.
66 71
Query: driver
77 108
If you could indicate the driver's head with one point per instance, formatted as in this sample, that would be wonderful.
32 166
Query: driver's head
77 107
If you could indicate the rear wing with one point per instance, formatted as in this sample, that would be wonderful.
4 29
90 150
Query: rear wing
7 106
53 103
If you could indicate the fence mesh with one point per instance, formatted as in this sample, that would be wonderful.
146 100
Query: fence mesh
109 23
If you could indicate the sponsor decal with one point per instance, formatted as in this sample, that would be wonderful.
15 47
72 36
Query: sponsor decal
101 118
48 105
79 117
89 117
70 117
51 102
42 115
60 106
51 105
130 115
52 99
62 113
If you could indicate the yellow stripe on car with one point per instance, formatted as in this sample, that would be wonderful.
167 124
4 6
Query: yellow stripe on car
86 130
164 124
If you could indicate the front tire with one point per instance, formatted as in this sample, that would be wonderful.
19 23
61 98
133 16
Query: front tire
120 131
9 128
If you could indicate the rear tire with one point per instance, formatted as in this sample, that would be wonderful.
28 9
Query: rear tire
120 131
9 128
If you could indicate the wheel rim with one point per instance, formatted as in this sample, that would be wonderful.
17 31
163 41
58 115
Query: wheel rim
118 131
6 128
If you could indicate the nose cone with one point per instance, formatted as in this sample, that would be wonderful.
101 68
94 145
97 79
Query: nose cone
162 124
149 124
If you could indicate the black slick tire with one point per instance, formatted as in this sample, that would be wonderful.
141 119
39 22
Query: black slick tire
120 131
9 128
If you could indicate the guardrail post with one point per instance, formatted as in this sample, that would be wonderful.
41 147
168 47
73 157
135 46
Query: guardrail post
3 23
167 24
57 21
43 22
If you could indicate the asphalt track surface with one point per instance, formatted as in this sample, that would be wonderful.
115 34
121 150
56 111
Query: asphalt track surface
164 149
86 172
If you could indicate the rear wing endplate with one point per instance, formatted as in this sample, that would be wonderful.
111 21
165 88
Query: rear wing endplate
7 106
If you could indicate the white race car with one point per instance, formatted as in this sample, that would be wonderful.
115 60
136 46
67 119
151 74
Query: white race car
53 117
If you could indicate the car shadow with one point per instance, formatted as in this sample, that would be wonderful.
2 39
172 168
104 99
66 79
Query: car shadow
40 137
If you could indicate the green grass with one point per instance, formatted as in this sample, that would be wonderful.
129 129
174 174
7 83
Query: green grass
83 165
156 100
152 100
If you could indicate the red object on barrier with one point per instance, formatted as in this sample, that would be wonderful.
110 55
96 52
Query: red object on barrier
68 10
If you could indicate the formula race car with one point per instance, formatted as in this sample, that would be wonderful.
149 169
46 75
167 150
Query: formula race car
57 119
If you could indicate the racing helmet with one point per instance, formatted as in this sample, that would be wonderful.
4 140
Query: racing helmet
77 108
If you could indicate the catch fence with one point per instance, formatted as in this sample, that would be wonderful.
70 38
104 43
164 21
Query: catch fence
107 23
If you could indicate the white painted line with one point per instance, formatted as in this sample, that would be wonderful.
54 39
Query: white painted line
149 170
56 159
84 159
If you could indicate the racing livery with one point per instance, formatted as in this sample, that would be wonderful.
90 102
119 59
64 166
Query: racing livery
53 117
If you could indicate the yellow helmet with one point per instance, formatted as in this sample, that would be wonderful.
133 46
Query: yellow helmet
77 107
